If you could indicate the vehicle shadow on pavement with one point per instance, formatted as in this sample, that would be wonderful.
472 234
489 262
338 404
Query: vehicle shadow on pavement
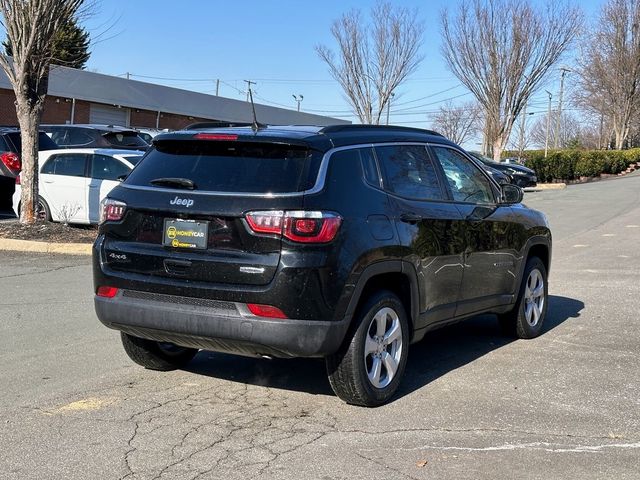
440 352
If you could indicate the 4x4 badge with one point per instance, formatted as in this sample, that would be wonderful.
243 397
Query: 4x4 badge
187 202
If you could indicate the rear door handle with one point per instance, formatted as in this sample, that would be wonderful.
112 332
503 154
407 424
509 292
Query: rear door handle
410 218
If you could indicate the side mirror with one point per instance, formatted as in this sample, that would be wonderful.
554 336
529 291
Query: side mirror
511 194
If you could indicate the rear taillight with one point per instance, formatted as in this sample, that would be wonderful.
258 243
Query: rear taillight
111 210
268 311
11 161
297 226
107 292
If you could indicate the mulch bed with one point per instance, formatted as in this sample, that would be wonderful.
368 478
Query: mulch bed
48 232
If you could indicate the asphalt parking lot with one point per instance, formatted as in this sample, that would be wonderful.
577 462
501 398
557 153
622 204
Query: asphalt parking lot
473 404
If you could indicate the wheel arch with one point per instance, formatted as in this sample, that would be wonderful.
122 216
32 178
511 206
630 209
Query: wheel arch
396 276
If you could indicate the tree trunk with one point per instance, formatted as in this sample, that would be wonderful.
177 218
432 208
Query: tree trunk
29 114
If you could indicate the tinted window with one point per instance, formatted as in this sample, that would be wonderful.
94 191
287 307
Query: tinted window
369 166
44 142
79 137
231 166
71 164
107 168
409 172
466 181
132 159
125 139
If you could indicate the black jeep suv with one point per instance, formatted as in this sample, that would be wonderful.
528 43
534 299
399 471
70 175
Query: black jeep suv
342 242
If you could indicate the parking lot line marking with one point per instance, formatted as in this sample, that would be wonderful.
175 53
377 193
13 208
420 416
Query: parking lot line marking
608 234
580 246
632 226
623 256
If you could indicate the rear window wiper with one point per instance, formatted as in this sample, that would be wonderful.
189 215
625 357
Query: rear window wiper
174 182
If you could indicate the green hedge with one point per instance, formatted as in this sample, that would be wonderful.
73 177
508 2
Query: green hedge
573 164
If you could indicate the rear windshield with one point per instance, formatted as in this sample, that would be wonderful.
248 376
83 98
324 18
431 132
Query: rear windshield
44 142
231 166
125 139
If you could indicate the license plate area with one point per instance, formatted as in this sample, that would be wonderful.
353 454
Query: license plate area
185 234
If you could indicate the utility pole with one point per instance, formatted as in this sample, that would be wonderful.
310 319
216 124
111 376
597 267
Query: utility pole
249 83
128 74
217 86
522 127
389 105
563 71
298 98
546 141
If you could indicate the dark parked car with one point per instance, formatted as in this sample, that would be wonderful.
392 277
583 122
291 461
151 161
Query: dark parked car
95 136
520 175
341 242
10 162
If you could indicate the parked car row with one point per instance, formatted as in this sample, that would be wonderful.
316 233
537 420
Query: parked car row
517 174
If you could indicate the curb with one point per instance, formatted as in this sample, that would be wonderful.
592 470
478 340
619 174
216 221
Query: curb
43 247
546 186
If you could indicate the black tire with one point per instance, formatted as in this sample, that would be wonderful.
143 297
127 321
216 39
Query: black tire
43 212
349 368
526 320
156 355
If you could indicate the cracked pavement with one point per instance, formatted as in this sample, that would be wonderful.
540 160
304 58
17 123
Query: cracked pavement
473 403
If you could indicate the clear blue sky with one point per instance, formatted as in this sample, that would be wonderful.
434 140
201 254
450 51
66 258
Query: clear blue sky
269 42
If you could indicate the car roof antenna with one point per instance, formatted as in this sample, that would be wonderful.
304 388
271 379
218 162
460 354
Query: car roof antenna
255 125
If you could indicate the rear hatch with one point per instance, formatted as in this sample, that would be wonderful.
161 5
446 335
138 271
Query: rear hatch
186 205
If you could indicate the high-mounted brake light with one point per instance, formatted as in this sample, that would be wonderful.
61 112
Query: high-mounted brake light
111 210
11 161
215 136
297 226
107 292
268 311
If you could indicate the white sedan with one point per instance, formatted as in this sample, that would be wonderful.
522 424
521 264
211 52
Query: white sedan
73 182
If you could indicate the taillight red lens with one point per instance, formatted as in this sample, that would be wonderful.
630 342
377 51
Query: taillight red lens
11 161
266 222
112 210
268 311
297 226
215 136
107 292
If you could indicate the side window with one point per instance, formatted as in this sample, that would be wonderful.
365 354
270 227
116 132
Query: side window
79 137
60 137
70 164
107 168
466 181
369 166
408 172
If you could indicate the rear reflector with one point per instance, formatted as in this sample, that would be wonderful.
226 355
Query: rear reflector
107 292
268 311
215 136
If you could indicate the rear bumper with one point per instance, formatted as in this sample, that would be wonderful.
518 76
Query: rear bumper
217 328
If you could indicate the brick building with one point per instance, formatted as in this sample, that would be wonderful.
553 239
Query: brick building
78 96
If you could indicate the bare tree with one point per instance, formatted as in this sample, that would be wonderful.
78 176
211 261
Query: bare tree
457 123
374 59
502 50
30 27
610 66
572 131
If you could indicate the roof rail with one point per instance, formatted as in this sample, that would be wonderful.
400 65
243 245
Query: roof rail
384 128
215 124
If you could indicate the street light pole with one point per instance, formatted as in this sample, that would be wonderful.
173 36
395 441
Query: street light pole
389 105
522 127
563 71
298 98
546 141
